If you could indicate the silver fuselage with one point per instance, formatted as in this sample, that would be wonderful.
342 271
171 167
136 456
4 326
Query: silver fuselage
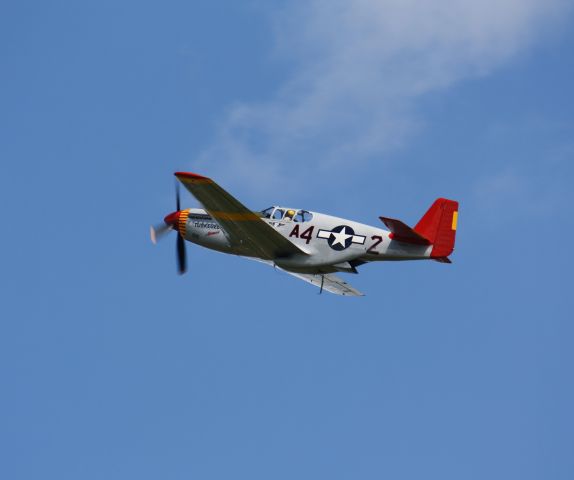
330 243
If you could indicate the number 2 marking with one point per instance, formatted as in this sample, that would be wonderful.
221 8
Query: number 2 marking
378 239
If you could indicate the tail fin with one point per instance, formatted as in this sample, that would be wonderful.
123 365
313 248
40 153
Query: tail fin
438 225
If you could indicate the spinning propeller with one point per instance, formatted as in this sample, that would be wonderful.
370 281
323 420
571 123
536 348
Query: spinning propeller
171 222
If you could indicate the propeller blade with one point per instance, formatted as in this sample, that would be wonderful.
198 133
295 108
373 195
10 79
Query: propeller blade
171 223
157 232
181 255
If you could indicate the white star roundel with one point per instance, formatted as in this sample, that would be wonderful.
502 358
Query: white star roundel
341 237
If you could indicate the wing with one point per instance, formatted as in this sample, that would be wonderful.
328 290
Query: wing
243 227
330 282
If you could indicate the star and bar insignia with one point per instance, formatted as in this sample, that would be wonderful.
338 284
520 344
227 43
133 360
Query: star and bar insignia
341 237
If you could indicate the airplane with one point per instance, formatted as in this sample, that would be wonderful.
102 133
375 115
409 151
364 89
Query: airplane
308 245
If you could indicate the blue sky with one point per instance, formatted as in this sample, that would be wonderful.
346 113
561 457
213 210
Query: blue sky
114 367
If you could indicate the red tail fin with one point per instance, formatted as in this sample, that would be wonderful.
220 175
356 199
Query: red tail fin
439 226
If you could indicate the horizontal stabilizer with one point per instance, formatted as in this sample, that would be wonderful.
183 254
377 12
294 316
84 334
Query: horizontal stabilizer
403 233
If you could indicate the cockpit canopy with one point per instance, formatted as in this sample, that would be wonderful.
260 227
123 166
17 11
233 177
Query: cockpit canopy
282 213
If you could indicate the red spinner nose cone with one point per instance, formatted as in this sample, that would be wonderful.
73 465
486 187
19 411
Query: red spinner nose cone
172 219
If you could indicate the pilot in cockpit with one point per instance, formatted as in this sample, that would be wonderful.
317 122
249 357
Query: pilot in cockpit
289 215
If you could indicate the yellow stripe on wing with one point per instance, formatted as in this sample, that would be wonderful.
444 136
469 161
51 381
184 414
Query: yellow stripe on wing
195 181
454 220
235 217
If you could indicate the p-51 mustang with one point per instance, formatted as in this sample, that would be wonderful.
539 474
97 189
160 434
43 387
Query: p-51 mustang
309 245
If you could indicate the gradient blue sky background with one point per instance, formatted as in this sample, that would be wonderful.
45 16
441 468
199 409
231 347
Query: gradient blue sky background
113 367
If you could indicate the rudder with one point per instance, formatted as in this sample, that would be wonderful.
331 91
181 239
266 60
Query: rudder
438 224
